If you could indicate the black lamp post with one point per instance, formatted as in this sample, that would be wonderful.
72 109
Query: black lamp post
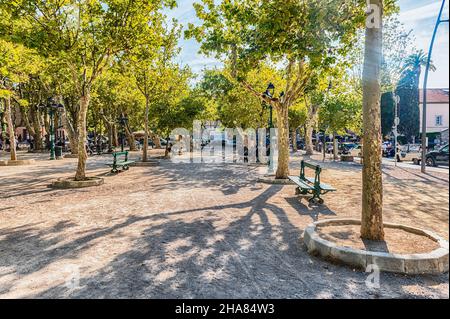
51 108
123 120
425 83
270 91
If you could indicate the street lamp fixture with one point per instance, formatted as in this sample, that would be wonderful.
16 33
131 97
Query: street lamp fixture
51 107
270 91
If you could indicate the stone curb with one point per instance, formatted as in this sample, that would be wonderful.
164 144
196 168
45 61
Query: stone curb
70 156
270 179
435 262
64 183
17 162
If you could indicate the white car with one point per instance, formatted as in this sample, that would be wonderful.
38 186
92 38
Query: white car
411 156
356 151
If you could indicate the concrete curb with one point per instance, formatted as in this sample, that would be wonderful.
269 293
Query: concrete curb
70 156
17 162
435 262
268 179
67 183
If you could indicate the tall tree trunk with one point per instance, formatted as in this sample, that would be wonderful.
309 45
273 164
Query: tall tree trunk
12 136
37 125
309 147
33 125
110 135
372 198
294 140
72 132
130 138
310 123
115 135
335 147
156 140
82 135
283 141
26 120
145 146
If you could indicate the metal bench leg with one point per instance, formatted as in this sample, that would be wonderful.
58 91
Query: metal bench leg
299 191
316 199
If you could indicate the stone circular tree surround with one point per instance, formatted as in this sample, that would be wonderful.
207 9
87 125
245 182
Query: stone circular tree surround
16 162
65 183
434 262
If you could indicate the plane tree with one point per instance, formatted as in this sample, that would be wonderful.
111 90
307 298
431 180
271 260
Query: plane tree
301 37
86 36
17 65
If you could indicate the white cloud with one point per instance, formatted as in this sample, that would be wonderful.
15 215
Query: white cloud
421 13
421 17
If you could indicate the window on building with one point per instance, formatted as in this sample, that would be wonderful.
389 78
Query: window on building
439 120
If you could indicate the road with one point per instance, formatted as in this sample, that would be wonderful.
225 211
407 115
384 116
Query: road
390 162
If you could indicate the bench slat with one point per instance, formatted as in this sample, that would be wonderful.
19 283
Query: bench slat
300 183
323 186
311 166
120 153
124 163
121 163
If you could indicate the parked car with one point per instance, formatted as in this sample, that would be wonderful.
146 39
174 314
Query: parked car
24 145
439 157
356 151
434 158
344 148
411 156
152 144
408 153
329 147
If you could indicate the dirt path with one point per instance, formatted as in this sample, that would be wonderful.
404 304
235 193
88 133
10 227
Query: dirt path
194 231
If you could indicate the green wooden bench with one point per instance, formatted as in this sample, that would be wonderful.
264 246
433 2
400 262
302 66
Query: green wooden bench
309 185
118 164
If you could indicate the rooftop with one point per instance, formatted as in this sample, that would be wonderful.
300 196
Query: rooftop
435 96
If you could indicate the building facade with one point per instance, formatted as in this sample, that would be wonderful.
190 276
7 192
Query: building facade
437 110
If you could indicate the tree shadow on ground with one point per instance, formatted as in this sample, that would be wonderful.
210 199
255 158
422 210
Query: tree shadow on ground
257 254
198 175
37 179
312 210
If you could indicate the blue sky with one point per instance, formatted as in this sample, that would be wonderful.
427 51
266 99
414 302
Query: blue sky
417 15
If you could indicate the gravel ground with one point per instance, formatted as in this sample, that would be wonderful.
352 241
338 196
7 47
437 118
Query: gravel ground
195 231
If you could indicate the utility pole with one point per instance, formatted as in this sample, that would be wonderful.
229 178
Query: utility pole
396 123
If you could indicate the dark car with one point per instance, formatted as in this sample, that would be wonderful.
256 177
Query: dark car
439 157
152 144
300 144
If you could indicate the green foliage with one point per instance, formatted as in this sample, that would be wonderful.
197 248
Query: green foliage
234 106
341 111
298 115
17 63
255 30
408 91
387 113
